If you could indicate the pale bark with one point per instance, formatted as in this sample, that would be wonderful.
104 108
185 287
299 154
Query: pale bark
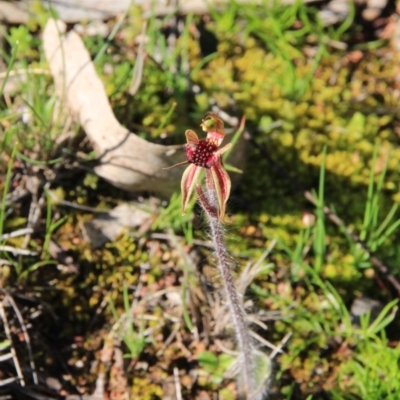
125 160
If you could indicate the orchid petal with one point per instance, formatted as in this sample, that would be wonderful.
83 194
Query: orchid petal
188 182
222 185
191 137
222 150
176 165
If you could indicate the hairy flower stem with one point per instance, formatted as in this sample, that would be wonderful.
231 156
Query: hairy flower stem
209 203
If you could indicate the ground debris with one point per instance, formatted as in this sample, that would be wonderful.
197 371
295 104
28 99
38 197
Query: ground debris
106 227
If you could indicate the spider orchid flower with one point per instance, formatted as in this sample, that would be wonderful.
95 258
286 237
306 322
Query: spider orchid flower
206 153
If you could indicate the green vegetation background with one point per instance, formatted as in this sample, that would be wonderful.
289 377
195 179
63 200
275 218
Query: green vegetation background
326 114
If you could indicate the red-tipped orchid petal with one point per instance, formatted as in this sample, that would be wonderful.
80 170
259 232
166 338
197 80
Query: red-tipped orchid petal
189 179
191 138
222 186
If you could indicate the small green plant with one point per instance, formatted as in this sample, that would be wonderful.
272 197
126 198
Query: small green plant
21 38
6 188
372 372
373 232
170 217
215 365
319 231
130 332
173 59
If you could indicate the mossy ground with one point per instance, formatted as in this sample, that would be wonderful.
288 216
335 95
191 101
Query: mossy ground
347 102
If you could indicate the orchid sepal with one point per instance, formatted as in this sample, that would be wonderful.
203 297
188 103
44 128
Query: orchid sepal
191 137
224 149
177 165
221 183
189 179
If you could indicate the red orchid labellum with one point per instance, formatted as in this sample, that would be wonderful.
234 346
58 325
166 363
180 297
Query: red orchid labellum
206 153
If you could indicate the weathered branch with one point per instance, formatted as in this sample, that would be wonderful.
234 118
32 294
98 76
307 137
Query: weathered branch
125 160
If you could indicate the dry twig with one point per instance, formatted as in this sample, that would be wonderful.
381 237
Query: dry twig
13 353
26 337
